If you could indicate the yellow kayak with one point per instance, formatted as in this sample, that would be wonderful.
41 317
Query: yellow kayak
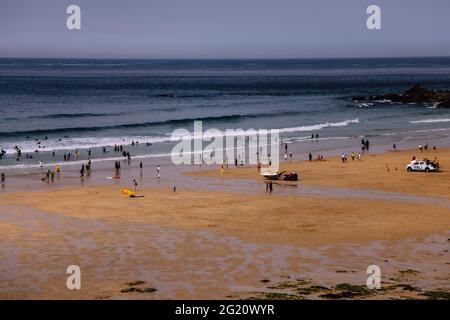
128 192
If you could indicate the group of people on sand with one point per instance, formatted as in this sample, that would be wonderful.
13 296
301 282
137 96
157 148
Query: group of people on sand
353 156
319 157
365 145
423 148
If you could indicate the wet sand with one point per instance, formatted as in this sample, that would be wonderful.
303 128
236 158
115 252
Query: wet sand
376 171
233 240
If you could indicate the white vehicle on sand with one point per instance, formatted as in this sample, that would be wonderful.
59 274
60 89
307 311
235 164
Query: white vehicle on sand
421 165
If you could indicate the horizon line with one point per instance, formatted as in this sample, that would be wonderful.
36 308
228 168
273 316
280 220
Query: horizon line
212 59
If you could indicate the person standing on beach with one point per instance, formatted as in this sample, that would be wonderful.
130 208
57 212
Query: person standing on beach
135 185
267 187
82 171
3 178
270 187
310 157
367 145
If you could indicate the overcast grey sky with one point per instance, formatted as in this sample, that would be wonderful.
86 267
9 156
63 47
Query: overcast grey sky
224 29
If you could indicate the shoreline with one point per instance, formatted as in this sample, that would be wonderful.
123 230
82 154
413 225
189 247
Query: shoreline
104 167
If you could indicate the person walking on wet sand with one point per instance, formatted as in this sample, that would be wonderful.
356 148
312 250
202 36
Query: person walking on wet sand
310 157
3 177
267 187
135 185
270 187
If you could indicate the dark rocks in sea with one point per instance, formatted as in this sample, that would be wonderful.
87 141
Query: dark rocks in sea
416 94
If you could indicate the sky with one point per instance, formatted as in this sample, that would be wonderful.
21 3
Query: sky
195 29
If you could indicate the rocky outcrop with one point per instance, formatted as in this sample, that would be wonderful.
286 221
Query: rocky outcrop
416 94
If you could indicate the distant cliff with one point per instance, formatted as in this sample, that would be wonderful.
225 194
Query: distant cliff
416 94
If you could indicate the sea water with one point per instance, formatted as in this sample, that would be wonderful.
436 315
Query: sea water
64 105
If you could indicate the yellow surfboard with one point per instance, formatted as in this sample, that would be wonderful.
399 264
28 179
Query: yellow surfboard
128 192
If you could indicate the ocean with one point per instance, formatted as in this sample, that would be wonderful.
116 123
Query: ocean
63 105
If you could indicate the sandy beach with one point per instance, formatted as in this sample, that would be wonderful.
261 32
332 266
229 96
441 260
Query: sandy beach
376 171
309 239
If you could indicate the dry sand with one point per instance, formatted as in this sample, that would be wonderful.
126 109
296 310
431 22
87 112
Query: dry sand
370 173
